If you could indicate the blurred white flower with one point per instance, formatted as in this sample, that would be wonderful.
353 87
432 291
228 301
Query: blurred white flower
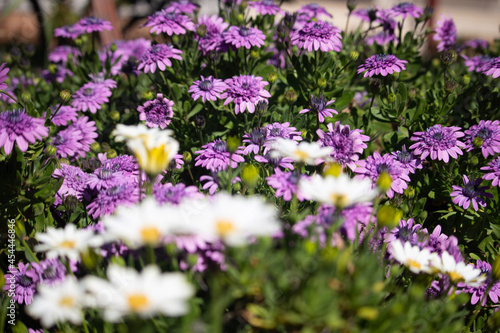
303 152
415 259
457 271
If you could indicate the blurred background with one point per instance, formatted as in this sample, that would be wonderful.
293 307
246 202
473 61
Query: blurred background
33 21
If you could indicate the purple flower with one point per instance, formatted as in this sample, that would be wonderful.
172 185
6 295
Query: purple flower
158 56
405 9
106 177
65 114
60 74
68 143
316 36
478 293
438 242
475 44
74 183
278 130
285 184
382 64
493 166
256 139
275 161
25 288
17 126
3 75
438 142
346 144
91 97
93 24
99 78
492 67
265 7
476 63
124 58
376 164
123 163
208 89
245 91
363 14
383 38
212 182
171 23
486 135
318 106
47 272
446 34
213 38
407 160
69 31
109 198
183 7
407 231
244 37
311 11
215 157
471 192
157 113
60 53
88 130
174 194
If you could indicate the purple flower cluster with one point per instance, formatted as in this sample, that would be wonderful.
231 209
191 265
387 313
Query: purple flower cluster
382 64
213 36
285 184
157 113
376 164
407 231
405 9
446 34
408 160
438 142
121 193
245 91
311 11
471 192
158 56
170 23
319 35
208 88
16 126
215 157
347 144
91 97
85 25
212 182
25 287
125 56
485 135
244 37
476 63
183 7
265 7
64 115
492 67
75 140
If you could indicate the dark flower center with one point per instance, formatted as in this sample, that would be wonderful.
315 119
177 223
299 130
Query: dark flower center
275 131
382 57
93 20
318 103
383 167
437 135
115 190
105 174
49 273
470 190
170 15
404 156
206 85
404 233
88 92
156 49
59 140
220 147
258 136
404 5
245 85
317 25
24 280
14 117
268 2
273 160
244 31
484 133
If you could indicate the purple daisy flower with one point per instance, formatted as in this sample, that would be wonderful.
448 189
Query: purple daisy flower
183 7
405 9
275 161
382 64
486 135
109 198
47 272
438 142
91 97
265 7
311 11
123 163
383 38
64 115
280 130
346 144
60 53
88 130
475 44
99 78
106 177
316 36
207 88
407 160
438 243
74 183
213 37
471 192
318 106
3 75
157 113
490 286
17 126
212 182
245 91
69 31
493 166
285 184
255 139
446 34
124 58
476 63
492 67
60 74
244 37
215 157
158 56
25 287
174 194
68 143
363 14
93 24
376 164
171 23
407 231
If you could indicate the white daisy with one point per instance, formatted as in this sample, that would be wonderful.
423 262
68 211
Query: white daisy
68 242
415 259
457 271
340 191
146 294
234 219
303 152
58 303
130 132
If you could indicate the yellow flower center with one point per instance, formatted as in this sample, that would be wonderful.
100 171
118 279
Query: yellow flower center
68 244
67 301
455 276
150 235
413 264
137 302
301 155
224 227
339 200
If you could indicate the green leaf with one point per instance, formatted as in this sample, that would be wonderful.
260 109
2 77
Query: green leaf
197 108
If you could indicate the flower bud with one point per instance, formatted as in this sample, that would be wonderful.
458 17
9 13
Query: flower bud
26 96
111 153
147 95
70 202
255 54
477 142
63 160
351 5
95 147
233 143
388 216
409 192
201 30
50 150
321 82
372 14
237 186
114 115
250 175
282 31
290 20
65 95
391 97
29 49
52 68
78 41
466 79
354 55
113 47
186 156
474 160
332 169
450 86
384 182
199 121
448 57
291 96
271 77
240 18
261 106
